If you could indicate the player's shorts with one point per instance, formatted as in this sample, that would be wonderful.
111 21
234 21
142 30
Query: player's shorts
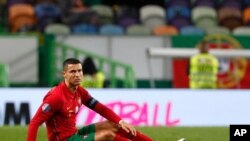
86 133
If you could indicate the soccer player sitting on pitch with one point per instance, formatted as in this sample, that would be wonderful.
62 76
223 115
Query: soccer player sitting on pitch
60 107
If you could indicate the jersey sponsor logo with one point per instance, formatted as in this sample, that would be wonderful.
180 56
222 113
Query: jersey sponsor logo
46 107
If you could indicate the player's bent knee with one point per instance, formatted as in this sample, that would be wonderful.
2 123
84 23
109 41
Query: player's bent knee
112 126
108 135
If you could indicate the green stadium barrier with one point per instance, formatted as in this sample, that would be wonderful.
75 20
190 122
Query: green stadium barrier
54 53
4 75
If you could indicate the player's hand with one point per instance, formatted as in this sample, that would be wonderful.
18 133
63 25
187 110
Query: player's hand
127 127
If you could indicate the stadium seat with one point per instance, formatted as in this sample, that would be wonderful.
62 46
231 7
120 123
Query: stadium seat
174 11
152 15
229 17
21 16
4 75
178 16
84 29
217 30
127 21
192 30
47 13
201 12
111 29
139 30
105 14
243 30
180 22
56 28
165 30
127 16
207 22
246 15
204 16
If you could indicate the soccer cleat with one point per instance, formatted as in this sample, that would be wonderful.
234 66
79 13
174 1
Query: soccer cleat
182 139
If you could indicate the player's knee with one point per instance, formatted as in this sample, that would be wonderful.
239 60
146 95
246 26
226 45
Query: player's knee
108 135
112 126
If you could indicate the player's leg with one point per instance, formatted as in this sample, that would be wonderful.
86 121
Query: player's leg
100 131
86 133
107 130
114 128
106 125
108 135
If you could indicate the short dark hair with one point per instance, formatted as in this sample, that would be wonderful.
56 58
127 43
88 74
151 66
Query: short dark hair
70 61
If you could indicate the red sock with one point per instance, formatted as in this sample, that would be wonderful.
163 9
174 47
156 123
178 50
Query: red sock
119 138
139 136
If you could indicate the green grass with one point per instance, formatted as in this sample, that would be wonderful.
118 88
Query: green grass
18 133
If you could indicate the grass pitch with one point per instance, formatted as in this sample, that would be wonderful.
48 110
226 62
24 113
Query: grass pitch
18 133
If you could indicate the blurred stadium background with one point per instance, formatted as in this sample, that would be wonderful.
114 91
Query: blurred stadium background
37 35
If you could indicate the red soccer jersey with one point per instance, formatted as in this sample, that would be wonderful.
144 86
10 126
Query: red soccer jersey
59 109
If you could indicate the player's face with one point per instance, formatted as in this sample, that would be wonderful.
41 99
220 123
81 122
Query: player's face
73 74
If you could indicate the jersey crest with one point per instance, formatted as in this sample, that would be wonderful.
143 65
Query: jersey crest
46 107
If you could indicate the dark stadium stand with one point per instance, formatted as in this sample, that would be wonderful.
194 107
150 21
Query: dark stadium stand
88 17
120 17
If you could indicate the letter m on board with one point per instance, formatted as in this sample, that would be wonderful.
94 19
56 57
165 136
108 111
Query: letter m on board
11 115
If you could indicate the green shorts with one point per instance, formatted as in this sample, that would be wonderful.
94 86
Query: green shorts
86 133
